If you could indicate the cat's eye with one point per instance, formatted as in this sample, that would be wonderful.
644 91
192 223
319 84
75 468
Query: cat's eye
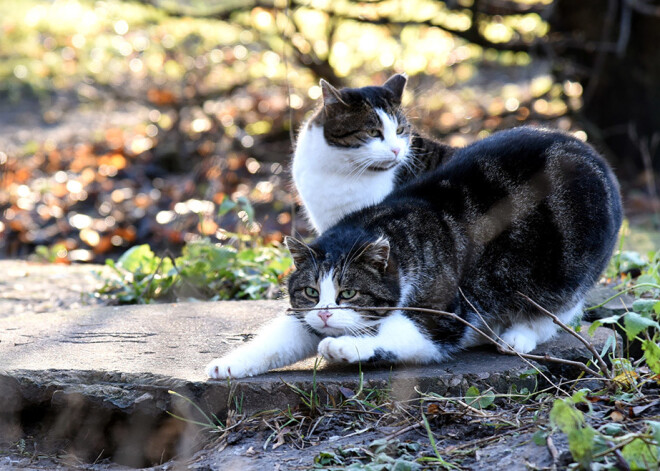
347 294
400 130
311 292
374 133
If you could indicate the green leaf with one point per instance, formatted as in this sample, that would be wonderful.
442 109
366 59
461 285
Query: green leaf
639 290
640 455
629 260
613 429
571 421
226 206
644 306
565 416
245 204
605 320
635 323
138 259
610 343
652 355
326 458
655 430
477 400
580 396
581 445
529 372
540 438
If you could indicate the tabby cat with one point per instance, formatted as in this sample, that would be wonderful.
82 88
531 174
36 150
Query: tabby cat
356 148
525 211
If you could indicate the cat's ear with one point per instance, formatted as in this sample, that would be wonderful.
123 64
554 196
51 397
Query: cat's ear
299 250
331 95
377 254
396 84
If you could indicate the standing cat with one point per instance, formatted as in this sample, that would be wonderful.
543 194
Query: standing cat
356 148
524 211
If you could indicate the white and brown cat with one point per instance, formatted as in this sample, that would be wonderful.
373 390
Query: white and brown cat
356 148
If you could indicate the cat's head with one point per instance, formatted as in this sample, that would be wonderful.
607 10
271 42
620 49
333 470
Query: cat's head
368 122
351 276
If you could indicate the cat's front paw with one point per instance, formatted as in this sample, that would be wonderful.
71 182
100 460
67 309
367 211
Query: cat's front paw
227 367
522 339
346 349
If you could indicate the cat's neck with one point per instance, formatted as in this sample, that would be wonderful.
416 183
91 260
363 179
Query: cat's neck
329 185
426 154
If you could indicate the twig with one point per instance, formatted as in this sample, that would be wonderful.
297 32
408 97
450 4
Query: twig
624 291
618 446
621 462
480 441
404 430
511 351
601 56
552 449
555 319
524 356
644 8
550 359
415 309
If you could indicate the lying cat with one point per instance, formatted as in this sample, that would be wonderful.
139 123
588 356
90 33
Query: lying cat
524 211
356 148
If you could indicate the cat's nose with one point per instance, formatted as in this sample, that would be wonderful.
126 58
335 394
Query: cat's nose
395 151
325 315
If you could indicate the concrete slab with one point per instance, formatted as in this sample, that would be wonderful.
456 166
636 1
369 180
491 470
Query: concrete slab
177 340
110 369
173 342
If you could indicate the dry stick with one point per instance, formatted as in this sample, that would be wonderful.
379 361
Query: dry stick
404 430
524 356
529 356
480 441
552 449
601 363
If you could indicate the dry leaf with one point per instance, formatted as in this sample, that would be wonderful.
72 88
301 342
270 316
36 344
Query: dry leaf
617 416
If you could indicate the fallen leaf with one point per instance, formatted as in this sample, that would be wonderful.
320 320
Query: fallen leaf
617 416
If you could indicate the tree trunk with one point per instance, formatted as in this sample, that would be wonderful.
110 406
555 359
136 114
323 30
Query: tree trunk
613 50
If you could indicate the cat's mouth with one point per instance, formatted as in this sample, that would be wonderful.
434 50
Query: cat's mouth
383 166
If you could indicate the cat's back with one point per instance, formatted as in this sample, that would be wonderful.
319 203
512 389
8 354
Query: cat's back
520 152
541 211
518 164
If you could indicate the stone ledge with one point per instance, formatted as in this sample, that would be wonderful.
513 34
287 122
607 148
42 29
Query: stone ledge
106 371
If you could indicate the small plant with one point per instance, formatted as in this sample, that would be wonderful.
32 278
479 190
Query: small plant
240 268
621 441
213 424
55 254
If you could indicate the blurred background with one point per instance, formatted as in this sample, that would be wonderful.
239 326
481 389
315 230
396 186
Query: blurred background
132 122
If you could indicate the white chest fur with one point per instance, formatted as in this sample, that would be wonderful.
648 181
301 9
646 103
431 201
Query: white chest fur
333 182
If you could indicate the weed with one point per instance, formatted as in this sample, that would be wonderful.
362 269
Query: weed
241 268
214 424
437 458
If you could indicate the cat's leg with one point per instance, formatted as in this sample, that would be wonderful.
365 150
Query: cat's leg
398 340
524 337
279 343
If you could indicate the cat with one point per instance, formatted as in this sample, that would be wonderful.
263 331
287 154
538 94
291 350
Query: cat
526 211
356 148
